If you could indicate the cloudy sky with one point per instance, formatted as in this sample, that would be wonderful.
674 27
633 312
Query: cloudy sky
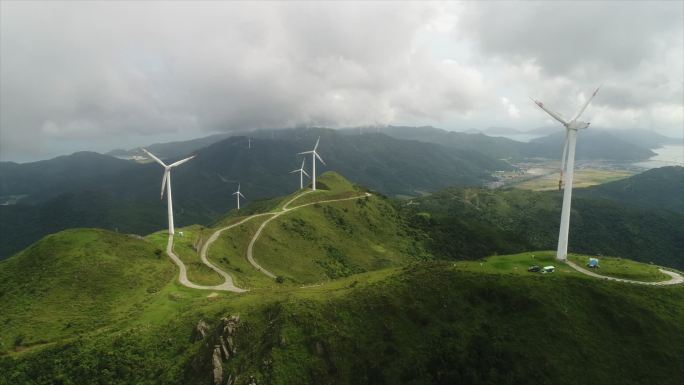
96 76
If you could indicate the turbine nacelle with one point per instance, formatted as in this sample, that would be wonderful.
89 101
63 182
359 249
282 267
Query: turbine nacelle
575 125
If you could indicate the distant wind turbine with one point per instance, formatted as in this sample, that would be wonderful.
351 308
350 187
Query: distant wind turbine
567 169
249 142
238 194
166 183
301 174
314 155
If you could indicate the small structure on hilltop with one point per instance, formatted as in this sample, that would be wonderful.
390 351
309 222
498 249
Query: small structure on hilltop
593 263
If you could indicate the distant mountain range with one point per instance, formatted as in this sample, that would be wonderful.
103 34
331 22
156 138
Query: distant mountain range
94 190
632 145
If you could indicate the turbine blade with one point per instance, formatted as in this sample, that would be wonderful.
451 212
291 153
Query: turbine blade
241 195
166 175
553 114
293 171
319 158
317 140
584 107
181 162
153 157
304 153
303 160
308 176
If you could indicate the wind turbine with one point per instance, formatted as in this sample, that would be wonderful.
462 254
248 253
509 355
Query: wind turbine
567 165
166 183
314 155
301 174
238 194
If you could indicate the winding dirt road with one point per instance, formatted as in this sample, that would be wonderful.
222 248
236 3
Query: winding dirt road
228 284
675 278
250 248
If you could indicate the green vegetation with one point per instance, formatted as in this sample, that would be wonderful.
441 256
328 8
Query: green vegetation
623 268
427 323
93 190
468 223
187 247
77 281
362 301
656 189
318 242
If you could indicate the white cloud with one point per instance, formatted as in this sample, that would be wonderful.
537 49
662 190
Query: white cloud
116 73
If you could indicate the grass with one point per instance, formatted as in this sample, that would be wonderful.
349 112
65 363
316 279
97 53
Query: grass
371 310
187 249
332 240
74 281
425 322
623 268
582 178
229 252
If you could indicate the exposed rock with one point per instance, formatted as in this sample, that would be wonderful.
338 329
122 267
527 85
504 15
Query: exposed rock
252 381
218 368
232 380
201 330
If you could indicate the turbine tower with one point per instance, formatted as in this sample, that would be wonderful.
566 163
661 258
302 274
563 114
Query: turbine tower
301 174
166 183
314 155
238 194
567 170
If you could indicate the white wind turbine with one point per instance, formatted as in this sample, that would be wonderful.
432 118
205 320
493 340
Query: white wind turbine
166 183
567 170
238 194
314 155
301 174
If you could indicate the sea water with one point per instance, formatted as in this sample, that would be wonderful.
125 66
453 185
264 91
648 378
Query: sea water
669 155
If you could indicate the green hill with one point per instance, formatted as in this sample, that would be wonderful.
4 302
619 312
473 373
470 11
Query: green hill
361 302
659 188
76 281
428 323
309 243
472 223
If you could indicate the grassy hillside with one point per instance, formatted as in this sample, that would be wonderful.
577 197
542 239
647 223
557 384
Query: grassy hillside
471 223
659 188
317 242
361 303
77 281
427 323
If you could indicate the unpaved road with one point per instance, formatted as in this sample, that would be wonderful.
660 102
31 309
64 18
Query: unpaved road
675 279
250 248
228 284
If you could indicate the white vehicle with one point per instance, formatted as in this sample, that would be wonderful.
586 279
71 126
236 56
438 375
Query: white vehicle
548 269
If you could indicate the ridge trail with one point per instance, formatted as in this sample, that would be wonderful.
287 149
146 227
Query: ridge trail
228 284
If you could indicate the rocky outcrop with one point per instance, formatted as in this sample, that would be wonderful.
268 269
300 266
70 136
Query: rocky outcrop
217 366
221 343
201 330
